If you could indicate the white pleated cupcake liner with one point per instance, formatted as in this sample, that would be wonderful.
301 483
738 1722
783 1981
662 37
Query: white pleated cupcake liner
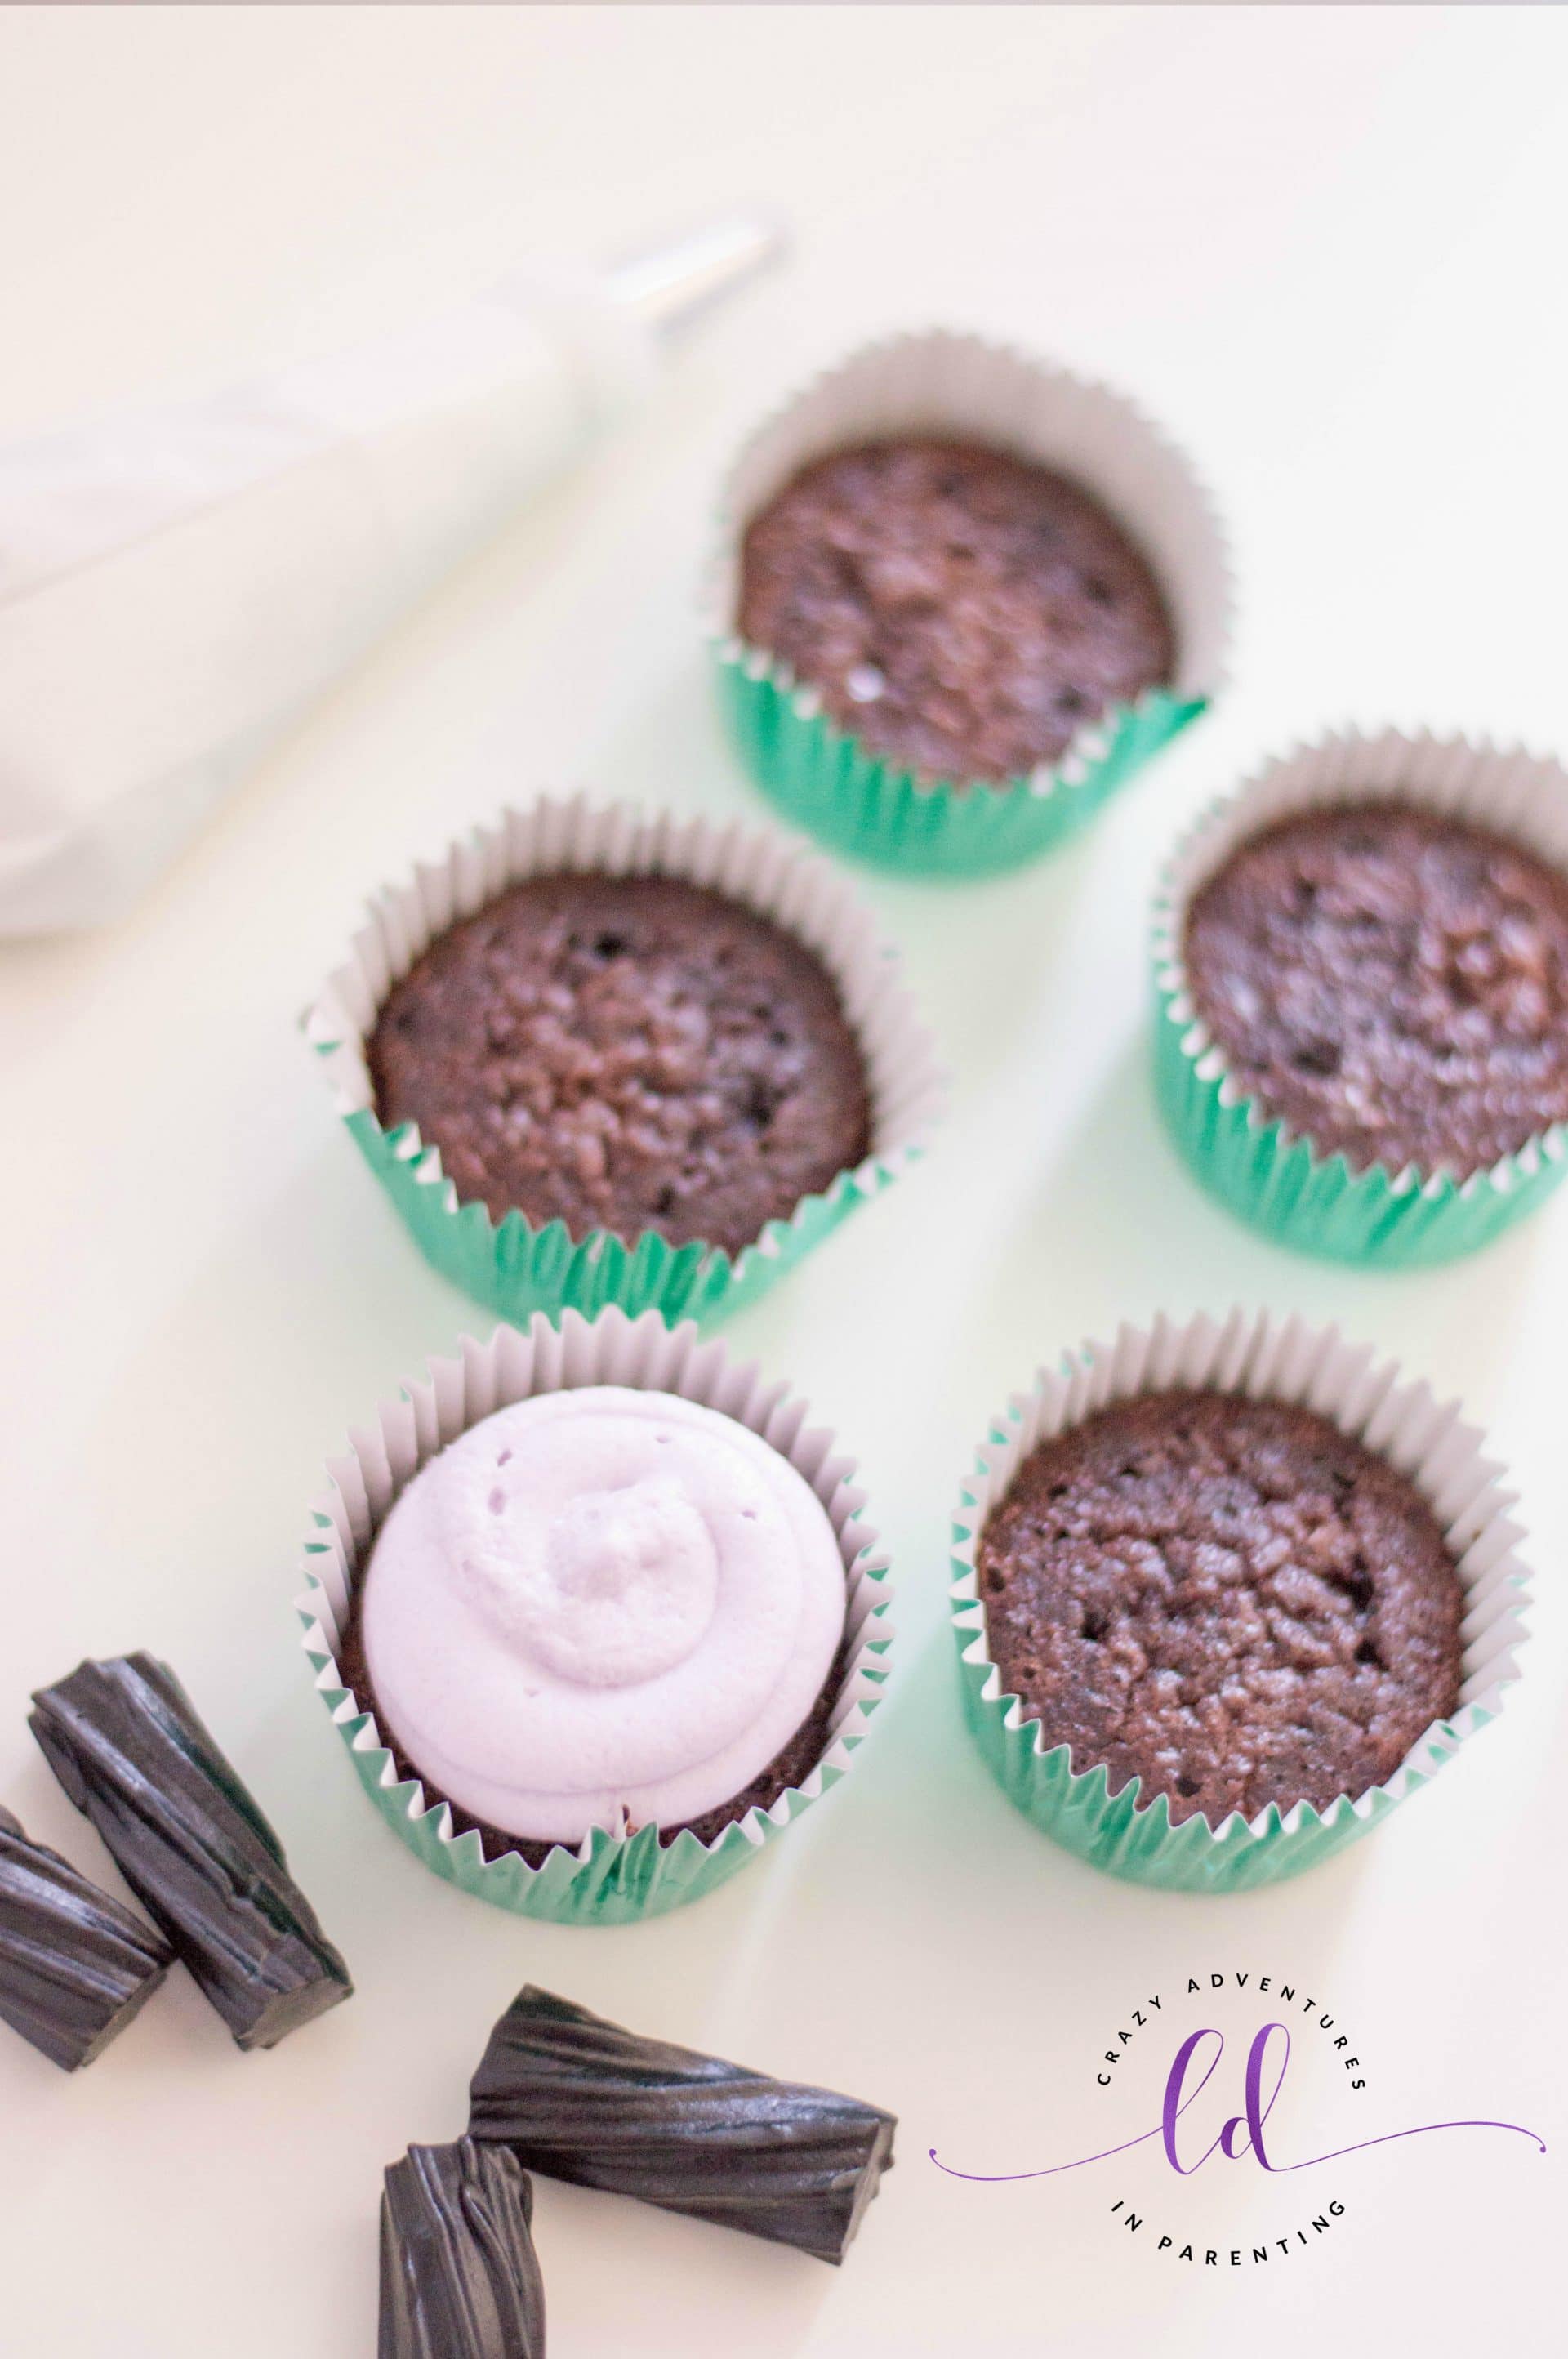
1262 1358
512 1266
942 382
1265 1170
613 1876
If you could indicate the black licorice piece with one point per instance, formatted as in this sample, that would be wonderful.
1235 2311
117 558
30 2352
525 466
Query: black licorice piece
124 1740
459 2278
76 1966
579 2098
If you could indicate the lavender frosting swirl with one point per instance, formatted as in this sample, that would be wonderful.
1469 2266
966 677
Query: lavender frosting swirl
599 1608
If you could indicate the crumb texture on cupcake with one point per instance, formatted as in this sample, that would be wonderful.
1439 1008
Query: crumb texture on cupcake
628 1053
1391 982
601 1608
1227 1599
961 611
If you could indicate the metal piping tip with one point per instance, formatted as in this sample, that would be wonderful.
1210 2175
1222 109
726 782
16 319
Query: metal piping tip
670 286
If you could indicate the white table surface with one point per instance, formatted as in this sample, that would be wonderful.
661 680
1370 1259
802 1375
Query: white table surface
1325 247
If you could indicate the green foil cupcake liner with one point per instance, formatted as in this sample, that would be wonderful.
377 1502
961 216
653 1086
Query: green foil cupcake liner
613 1877
1267 1173
513 1267
940 381
1265 1359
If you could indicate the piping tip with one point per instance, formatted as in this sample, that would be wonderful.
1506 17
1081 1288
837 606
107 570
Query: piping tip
670 286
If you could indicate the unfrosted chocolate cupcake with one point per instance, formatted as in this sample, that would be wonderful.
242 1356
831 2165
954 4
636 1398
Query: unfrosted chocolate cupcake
625 1053
962 611
1227 1598
1389 982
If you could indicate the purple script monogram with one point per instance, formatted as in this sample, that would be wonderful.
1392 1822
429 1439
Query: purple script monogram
1242 2133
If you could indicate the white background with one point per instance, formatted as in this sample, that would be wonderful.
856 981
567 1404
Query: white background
1325 246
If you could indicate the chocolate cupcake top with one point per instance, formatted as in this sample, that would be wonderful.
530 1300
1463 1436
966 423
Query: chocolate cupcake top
628 1053
1391 982
962 611
1227 1599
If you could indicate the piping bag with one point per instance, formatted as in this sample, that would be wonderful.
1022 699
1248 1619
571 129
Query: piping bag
178 586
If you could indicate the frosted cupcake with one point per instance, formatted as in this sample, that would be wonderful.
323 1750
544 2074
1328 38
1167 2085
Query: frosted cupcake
608 1635
602 1609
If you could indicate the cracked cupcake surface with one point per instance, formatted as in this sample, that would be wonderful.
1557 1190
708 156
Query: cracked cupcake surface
1227 1599
628 1053
1390 983
960 610
601 1608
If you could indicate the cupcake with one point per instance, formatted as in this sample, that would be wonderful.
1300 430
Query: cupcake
1362 972
1225 1596
960 610
595 1616
600 1058
963 596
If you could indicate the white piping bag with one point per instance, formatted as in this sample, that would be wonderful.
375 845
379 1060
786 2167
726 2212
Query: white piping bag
176 587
